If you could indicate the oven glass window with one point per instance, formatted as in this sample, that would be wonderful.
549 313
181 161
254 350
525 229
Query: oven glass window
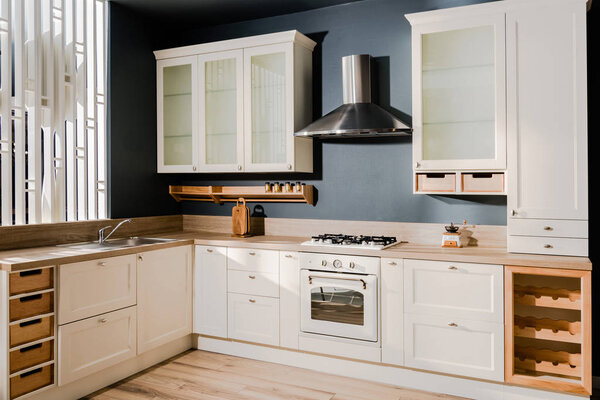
344 306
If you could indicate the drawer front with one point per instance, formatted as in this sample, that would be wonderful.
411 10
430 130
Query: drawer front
95 343
548 227
461 290
32 380
436 182
96 287
31 331
454 346
30 306
548 245
483 182
30 356
256 283
31 281
253 260
253 318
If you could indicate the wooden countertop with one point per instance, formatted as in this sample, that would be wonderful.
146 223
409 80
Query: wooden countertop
18 260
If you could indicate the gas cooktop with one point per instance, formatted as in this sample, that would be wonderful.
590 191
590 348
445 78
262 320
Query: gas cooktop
352 241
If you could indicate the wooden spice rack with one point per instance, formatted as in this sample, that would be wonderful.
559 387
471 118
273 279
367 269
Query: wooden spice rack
220 194
548 328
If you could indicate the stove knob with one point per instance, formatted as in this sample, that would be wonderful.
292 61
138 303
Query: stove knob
337 264
351 265
324 263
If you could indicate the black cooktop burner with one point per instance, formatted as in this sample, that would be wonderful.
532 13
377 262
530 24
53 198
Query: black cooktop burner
339 239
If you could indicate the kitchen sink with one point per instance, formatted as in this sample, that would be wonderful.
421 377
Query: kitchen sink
116 243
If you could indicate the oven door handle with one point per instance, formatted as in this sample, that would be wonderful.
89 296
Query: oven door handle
310 278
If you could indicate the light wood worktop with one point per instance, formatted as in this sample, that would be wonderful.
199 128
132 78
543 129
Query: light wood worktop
17 260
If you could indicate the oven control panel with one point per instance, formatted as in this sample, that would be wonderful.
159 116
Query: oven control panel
340 263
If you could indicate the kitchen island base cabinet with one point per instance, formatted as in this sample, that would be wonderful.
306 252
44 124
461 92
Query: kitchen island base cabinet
164 307
96 343
210 291
254 318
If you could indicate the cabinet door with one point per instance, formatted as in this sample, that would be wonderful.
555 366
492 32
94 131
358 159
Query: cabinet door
221 111
392 311
253 318
210 291
289 299
547 111
268 108
164 296
177 116
94 287
96 343
459 108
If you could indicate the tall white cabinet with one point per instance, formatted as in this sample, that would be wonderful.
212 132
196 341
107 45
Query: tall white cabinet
234 105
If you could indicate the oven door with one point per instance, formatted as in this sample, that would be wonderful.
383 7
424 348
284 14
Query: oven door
343 305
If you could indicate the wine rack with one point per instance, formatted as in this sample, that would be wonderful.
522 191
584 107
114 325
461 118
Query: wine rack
548 322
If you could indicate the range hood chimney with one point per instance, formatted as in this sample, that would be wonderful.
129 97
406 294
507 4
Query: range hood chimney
357 117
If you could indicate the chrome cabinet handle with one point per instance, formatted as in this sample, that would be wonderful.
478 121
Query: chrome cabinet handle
548 246
548 228
209 250
452 324
452 267
252 276
252 300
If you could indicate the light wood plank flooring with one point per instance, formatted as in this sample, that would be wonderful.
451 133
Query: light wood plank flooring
202 375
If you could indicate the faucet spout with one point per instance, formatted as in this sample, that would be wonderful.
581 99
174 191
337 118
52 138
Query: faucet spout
102 238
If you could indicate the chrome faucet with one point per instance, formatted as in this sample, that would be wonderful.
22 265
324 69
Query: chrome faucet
102 238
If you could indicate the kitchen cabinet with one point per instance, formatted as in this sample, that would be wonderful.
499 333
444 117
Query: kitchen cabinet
248 96
253 318
547 125
459 89
289 299
392 311
210 291
164 296
96 343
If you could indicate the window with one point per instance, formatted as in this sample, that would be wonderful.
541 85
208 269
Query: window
52 111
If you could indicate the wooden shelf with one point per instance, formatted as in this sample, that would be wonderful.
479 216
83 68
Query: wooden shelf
548 329
548 297
537 361
257 194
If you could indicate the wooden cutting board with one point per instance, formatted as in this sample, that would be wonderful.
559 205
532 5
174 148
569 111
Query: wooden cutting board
240 219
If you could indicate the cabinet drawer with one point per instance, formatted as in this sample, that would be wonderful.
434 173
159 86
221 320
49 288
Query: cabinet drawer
548 245
30 306
253 318
256 283
548 227
31 331
30 381
31 280
30 356
436 182
96 343
454 346
253 260
461 290
96 287
483 182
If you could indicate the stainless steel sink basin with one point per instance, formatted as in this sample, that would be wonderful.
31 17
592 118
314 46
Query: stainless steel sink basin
116 243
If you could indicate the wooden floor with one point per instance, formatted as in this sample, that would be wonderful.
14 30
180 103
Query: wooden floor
203 375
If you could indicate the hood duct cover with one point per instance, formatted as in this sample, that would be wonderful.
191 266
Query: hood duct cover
357 117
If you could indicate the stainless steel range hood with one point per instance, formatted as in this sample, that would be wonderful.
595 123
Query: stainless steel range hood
357 117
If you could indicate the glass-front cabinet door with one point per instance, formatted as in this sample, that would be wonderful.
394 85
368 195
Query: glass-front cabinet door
221 115
177 116
268 112
459 91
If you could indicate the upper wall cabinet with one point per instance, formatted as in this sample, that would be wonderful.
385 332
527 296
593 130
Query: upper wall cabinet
459 107
234 105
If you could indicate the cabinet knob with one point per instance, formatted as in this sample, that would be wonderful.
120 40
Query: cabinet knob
239 167
288 256
140 258
548 228
209 250
252 276
252 300
417 165
452 267
392 263
252 253
194 168
102 264
103 320
289 166
514 212
452 324
548 246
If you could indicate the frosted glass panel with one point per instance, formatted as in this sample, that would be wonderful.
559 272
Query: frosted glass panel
459 94
268 108
177 114
221 111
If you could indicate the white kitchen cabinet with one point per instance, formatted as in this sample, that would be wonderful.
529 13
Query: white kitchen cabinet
177 114
94 287
253 318
164 296
248 96
210 291
459 107
454 346
289 299
547 122
96 343
392 311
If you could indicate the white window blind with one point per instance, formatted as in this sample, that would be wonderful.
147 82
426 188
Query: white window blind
52 111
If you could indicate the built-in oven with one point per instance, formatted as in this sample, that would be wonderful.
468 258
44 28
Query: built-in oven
339 296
